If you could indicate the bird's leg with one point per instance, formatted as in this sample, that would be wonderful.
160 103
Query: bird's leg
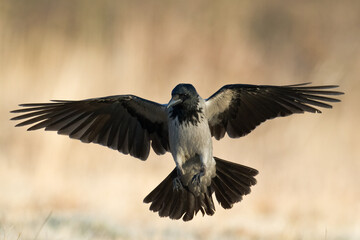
197 177
177 184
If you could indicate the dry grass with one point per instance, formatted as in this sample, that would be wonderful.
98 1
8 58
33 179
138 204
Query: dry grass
309 164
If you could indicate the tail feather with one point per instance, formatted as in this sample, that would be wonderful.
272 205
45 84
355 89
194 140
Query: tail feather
189 214
210 208
220 194
168 203
159 195
178 208
228 187
230 183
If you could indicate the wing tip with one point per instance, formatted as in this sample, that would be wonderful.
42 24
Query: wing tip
33 128
17 110
20 124
61 101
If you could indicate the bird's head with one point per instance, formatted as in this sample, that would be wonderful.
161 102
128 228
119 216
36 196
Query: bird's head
183 94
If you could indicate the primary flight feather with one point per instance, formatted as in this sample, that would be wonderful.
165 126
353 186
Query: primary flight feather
184 127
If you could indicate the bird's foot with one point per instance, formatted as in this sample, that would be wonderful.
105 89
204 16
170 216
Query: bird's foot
177 184
197 177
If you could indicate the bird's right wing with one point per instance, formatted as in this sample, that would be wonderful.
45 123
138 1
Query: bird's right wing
125 123
237 109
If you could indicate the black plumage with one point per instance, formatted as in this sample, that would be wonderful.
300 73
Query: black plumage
125 123
243 107
232 181
183 127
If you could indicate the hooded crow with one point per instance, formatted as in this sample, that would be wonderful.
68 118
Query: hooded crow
184 127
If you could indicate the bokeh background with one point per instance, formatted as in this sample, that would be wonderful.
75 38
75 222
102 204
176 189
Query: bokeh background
52 187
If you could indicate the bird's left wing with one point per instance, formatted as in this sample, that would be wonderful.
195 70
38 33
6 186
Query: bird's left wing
125 123
237 109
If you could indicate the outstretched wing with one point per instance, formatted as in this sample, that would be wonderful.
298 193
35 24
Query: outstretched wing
237 109
125 123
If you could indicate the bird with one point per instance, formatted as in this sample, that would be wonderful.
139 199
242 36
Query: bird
184 127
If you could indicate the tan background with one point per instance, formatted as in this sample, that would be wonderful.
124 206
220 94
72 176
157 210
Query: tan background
308 186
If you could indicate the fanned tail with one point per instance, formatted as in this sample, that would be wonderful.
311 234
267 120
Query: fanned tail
231 182
177 203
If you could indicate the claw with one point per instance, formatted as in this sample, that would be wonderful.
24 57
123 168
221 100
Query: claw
197 177
177 184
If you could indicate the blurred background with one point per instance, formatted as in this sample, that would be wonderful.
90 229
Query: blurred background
52 187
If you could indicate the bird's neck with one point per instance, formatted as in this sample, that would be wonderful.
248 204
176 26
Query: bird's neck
187 113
